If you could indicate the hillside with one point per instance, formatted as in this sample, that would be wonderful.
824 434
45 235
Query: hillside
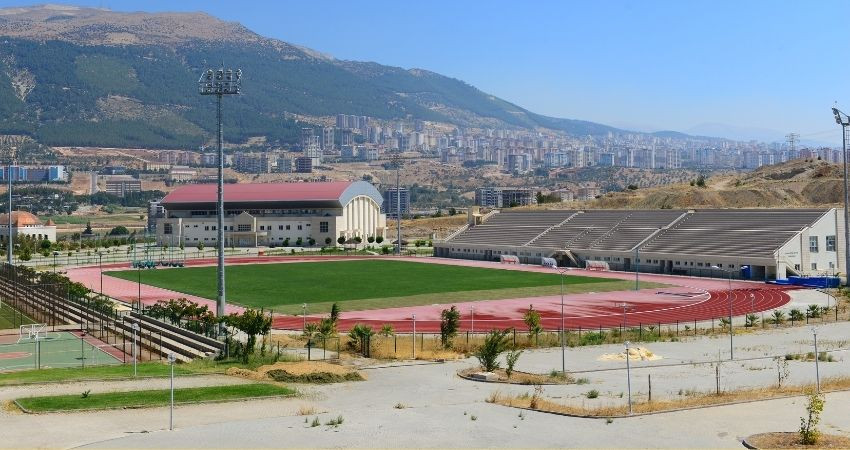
93 77
798 183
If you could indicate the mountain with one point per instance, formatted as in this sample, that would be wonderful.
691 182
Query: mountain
797 183
85 76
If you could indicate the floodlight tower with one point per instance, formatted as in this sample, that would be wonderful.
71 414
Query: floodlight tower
9 246
220 82
844 121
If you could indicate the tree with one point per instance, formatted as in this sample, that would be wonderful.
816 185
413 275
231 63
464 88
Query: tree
494 344
778 317
752 320
299 242
328 241
252 322
387 330
120 230
44 244
359 336
540 199
311 241
796 315
335 314
813 311
286 242
700 182
809 433
88 230
340 240
510 361
200 246
452 211
370 239
532 321
358 239
449 324
379 239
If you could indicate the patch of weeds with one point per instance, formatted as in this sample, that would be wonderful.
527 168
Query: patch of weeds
621 395
85 394
493 397
335 422
473 418
315 422
401 406
593 393
306 410
283 376
583 380
521 416
609 421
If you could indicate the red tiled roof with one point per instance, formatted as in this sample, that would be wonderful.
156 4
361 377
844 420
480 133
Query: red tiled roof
259 192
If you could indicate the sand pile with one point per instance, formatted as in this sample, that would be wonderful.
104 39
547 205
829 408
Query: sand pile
299 372
635 353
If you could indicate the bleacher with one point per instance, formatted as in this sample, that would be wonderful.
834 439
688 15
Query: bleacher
726 232
750 232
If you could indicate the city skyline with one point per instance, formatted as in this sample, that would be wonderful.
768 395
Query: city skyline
744 71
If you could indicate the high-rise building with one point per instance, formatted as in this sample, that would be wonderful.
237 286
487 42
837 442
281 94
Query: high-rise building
303 165
327 138
392 196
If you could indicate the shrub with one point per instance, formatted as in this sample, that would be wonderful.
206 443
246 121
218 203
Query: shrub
311 241
335 314
809 433
370 239
299 242
311 329
494 344
358 239
532 321
359 336
449 324
752 320
379 239
387 330
593 393
510 361
200 245
797 315
813 311
778 317
340 240
328 241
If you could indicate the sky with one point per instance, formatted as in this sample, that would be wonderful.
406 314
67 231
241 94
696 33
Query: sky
749 68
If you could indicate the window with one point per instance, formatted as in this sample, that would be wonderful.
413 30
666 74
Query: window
166 228
214 227
280 227
813 244
207 228
830 243
244 227
287 227
323 227
299 227
814 266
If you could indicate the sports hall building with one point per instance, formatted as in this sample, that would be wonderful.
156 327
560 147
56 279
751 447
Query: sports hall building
759 244
267 214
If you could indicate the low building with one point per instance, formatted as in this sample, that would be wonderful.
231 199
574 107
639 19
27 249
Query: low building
26 224
303 165
272 214
495 197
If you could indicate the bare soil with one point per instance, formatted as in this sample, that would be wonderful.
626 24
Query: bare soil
792 440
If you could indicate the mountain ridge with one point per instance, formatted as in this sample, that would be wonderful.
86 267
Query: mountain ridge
62 64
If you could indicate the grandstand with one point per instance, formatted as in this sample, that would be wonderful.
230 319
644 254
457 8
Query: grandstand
750 243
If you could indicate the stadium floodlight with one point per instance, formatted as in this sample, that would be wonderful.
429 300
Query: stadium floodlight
731 345
171 358
220 82
843 120
11 239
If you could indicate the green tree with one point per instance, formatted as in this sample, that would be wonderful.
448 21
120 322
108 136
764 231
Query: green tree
532 321
370 239
120 230
494 344
809 433
200 246
334 316
328 241
379 239
449 324
340 240
252 322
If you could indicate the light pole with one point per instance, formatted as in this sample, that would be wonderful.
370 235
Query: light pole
83 348
171 358
629 376
100 267
414 336
54 261
731 345
10 241
472 318
844 121
220 82
637 255
563 273
304 314
817 368
626 307
135 330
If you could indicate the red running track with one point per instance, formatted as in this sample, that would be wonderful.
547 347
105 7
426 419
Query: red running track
686 299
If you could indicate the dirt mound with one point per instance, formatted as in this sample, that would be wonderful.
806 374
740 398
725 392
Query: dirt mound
299 372
635 353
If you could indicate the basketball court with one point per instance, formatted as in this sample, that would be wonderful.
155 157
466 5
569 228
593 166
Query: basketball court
36 347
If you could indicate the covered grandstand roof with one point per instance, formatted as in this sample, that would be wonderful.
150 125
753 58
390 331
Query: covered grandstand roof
747 232
260 195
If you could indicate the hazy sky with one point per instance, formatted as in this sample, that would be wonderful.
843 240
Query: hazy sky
776 65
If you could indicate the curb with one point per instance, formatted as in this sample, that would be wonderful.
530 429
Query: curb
469 378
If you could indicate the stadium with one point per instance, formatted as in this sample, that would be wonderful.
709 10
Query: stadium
618 268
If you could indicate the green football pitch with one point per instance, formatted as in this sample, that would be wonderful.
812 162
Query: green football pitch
364 284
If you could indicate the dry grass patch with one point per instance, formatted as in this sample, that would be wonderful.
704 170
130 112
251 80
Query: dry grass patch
306 410
792 440
299 372
693 400
518 377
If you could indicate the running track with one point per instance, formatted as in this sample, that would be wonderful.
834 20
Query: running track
685 300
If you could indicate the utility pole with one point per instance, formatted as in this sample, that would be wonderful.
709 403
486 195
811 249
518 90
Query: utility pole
10 241
220 82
